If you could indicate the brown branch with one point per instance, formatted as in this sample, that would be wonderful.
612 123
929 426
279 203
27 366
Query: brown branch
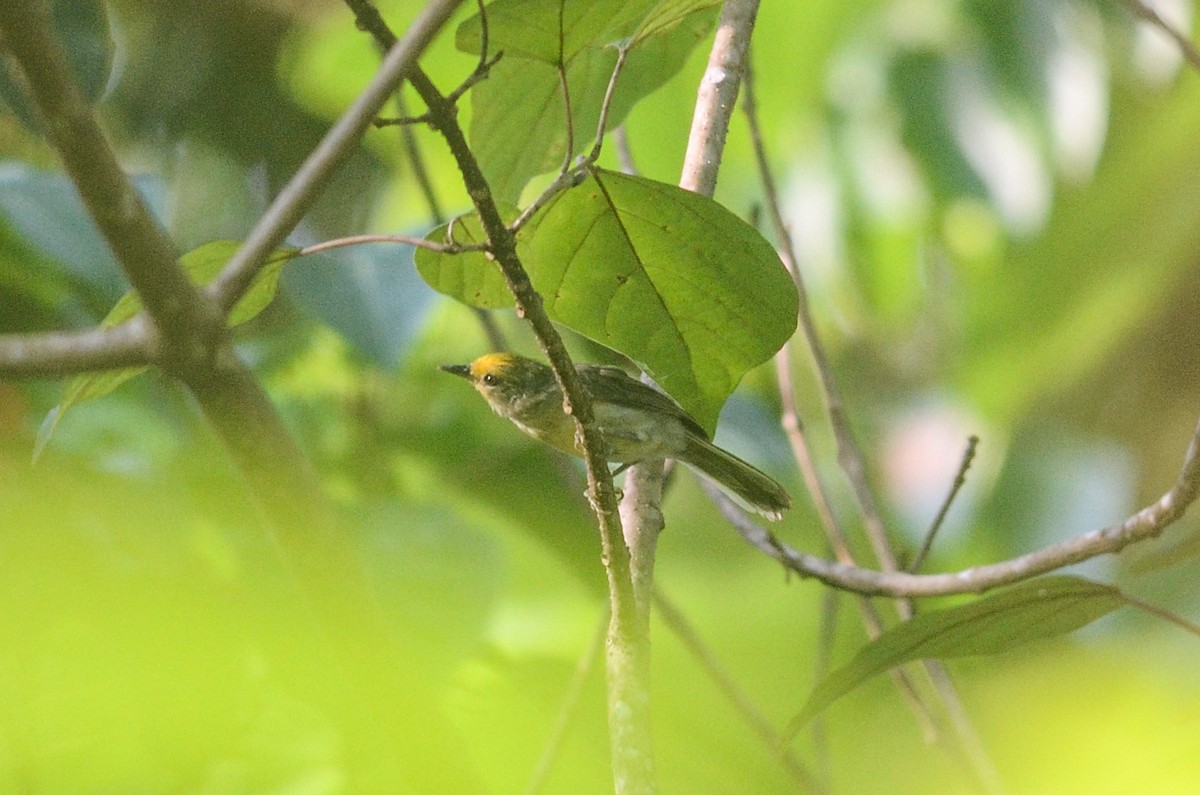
1146 524
628 647
960 479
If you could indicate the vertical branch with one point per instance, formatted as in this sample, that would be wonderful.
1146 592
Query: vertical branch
641 506
628 672
717 96
851 459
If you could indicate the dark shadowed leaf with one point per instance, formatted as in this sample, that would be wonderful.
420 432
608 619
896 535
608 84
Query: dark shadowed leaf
1035 610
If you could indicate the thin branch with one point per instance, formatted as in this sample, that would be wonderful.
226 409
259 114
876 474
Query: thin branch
369 20
302 190
563 181
570 177
1146 524
758 723
568 709
606 104
960 479
55 354
565 90
835 536
628 646
407 240
1166 615
1182 40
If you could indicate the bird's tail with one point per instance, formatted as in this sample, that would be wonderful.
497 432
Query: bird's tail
754 488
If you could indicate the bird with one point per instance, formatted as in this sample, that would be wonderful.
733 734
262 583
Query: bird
638 422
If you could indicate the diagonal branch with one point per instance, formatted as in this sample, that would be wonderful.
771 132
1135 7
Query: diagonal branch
302 190
1146 524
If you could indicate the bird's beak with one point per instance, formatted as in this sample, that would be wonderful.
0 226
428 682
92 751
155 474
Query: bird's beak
462 370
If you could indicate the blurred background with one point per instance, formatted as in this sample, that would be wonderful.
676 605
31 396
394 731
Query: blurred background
996 208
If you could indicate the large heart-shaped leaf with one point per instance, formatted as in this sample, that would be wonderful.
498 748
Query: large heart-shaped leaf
667 277
519 122
670 278
1034 610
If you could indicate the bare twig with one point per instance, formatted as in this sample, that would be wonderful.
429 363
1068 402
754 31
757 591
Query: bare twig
370 21
569 177
569 707
675 620
1166 615
594 155
407 240
834 534
960 478
1181 39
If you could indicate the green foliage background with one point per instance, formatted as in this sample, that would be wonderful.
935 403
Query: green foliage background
151 640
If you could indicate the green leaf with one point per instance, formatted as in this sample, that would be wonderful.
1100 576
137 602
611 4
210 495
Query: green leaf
1035 610
531 28
519 124
469 277
668 15
202 265
670 278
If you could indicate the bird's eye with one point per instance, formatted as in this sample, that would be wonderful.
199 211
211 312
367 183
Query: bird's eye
489 379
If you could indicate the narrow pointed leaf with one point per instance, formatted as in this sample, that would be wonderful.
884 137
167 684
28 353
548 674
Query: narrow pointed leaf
1035 610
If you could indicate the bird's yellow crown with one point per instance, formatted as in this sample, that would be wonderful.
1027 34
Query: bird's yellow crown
491 364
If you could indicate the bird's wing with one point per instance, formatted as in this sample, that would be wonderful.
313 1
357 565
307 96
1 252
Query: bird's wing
613 385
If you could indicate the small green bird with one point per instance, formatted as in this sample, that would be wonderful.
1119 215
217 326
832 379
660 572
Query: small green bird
638 422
